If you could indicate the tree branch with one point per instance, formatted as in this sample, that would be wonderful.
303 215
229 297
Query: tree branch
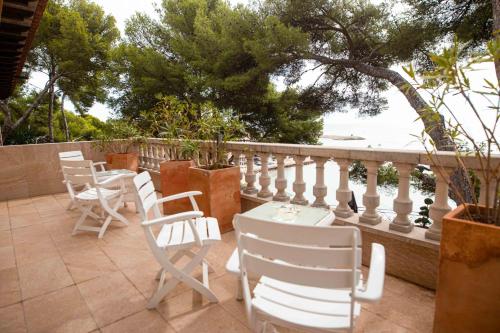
8 126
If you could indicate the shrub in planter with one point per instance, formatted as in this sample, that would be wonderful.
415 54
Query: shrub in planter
468 294
120 142
219 182
176 122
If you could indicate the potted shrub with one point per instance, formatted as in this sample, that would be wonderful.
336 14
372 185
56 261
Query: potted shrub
120 142
219 181
468 292
177 123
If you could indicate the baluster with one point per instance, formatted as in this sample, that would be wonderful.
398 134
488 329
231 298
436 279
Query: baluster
371 199
250 175
170 153
156 162
264 179
205 157
403 204
280 181
141 156
486 189
343 194
162 153
299 186
196 158
158 157
320 189
153 159
440 206
147 161
240 158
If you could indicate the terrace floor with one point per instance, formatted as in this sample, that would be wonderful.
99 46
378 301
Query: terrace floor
51 281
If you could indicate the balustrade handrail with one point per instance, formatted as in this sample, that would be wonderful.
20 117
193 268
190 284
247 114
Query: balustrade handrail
444 158
156 150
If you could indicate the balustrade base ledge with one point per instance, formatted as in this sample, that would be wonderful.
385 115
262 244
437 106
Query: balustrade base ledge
405 228
300 202
432 235
417 236
265 194
370 220
251 191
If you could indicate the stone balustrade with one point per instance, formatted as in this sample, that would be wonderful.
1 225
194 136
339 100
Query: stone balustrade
156 150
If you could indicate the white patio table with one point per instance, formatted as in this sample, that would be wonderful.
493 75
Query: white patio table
281 212
130 195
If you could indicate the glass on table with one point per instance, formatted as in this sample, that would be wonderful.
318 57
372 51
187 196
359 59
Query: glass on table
286 212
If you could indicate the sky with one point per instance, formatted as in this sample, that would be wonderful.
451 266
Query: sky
393 128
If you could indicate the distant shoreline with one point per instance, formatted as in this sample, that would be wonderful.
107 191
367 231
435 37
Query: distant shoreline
342 137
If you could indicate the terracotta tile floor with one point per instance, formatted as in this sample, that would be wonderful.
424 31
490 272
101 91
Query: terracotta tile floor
51 281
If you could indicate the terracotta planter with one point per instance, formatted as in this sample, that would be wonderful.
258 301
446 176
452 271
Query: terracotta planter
174 179
468 290
129 161
221 193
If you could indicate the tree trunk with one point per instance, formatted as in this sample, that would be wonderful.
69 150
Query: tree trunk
50 116
8 124
496 32
435 129
65 122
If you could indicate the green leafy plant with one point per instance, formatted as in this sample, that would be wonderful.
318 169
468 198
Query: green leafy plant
186 127
423 221
119 137
218 127
451 77
177 122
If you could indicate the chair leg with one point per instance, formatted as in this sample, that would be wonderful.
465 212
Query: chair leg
191 254
239 292
114 211
158 275
104 226
85 212
183 275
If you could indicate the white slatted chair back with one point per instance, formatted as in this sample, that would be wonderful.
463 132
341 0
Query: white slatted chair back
82 173
322 257
78 173
148 199
74 155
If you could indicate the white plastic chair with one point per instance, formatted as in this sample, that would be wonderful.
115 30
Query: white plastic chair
76 155
78 174
309 275
178 235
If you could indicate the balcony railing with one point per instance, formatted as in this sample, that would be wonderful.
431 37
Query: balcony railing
156 151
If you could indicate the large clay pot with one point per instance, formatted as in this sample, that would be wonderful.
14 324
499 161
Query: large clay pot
174 180
468 289
129 161
221 193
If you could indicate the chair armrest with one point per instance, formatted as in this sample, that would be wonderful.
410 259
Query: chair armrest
189 194
110 180
179 196
101 164
173 218
375 284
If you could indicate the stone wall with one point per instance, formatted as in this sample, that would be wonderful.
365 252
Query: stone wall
32 170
